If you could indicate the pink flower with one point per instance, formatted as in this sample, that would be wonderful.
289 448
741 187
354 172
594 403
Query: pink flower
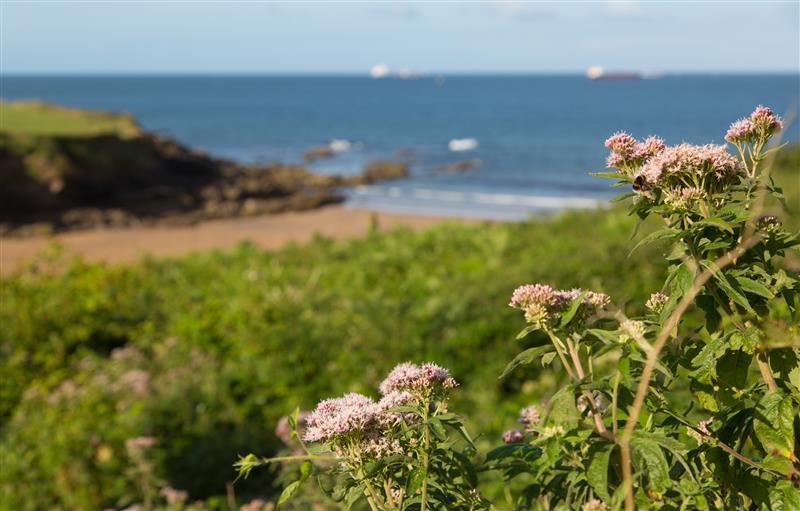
656 302
140 442
529 416
741 131
393 400
685 159
529 294
336 417
765 121
513 436
649 148
702 426
410 377
621 143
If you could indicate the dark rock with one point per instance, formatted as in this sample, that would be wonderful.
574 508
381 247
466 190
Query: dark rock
459 166
317 153
383 170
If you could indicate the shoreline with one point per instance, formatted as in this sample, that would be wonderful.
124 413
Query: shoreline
270 232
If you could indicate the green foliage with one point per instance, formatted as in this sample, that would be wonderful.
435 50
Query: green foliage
228 341
256 333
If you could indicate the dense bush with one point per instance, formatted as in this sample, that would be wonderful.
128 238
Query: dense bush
263 332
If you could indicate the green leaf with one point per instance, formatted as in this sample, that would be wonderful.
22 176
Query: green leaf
597 470
562 408
729 288
291 489
621 197
715 222
609 175
754 287
655 462
705 368
526 358
437 428
569 314
528 329
773 423
353 494
415 478
784 497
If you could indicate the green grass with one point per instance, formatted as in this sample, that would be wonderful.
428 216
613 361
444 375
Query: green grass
37 118
206 352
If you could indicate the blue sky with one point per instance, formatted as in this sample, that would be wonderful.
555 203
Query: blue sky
337 37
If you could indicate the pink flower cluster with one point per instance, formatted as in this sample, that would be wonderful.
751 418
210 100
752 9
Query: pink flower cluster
140 442
357 420
425 379
686 161
541 302
340 416
393 400
513 436
656 302
529 416
627 153
762 124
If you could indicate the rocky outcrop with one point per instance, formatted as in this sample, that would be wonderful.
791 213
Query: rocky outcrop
57 183
383 170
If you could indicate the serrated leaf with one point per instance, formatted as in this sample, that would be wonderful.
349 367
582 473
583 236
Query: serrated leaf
525 358
597 469
415 478
569 314
730 289
715 222
655 462
773 423
784 497
754 287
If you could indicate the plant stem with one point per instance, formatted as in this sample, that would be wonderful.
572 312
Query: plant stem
559 345
663 336
423 505
598 421
388 490
766 372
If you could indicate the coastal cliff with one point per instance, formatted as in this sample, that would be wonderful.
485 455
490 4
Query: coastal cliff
66 169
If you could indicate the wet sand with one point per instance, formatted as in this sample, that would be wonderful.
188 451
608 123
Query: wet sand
270 232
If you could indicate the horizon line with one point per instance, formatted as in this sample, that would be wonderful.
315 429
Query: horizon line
365 74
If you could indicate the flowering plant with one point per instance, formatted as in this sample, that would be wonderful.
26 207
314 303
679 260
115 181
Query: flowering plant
655 412
395 453
623 430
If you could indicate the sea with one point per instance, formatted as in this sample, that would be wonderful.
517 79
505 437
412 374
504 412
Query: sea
531 140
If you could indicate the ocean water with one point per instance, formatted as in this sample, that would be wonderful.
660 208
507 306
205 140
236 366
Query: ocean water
537 137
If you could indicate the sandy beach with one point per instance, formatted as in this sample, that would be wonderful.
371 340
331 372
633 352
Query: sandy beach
268 231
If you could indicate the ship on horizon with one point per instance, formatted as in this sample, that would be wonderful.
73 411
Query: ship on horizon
598 73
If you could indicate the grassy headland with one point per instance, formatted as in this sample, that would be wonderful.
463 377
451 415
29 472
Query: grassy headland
38 118
66 169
